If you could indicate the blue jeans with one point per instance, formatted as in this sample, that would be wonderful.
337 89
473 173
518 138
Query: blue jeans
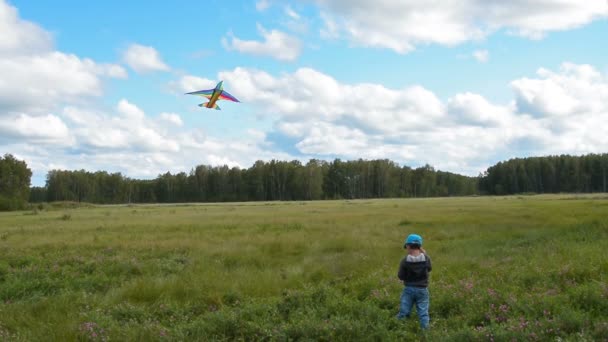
418 296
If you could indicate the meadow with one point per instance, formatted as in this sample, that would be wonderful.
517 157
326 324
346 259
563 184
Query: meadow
518 267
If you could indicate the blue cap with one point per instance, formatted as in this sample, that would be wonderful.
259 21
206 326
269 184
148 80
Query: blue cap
413 239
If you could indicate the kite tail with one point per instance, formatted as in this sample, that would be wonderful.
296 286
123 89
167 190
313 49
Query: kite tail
206 104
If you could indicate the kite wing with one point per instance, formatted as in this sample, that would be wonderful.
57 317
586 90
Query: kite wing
204 93
226 96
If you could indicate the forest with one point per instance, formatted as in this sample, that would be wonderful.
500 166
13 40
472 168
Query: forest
264 181
552 174
315 180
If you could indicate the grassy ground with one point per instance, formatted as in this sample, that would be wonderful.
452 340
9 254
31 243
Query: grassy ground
531 267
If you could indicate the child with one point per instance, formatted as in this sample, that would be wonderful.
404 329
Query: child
414 271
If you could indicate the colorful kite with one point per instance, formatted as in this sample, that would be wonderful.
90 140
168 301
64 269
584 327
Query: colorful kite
214 95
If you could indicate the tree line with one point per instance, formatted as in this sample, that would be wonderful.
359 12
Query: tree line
552 174
263 181
315 180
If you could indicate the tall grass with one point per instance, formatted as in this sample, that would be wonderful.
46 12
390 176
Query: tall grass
505 268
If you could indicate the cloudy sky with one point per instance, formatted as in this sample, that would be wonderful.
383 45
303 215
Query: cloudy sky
459 85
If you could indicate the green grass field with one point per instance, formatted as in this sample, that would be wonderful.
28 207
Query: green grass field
530 267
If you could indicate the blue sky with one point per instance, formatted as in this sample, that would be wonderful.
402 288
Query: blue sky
462 88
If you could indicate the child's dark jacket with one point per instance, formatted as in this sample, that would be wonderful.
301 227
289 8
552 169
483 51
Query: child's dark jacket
414 271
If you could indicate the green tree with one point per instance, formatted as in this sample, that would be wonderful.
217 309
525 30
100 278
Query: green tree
15 179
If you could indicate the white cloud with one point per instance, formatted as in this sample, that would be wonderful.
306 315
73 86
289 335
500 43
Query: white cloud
129 130
276 44
330 29
474 109
144 59
481 55
34 77
575 89
130 110
344 140
262 5
291 13
571 103
172 118
295 22
19 36
402 25
191 83
317 96
35 83
41 129
114 71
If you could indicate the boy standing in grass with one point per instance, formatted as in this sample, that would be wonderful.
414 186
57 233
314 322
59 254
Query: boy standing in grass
414 272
